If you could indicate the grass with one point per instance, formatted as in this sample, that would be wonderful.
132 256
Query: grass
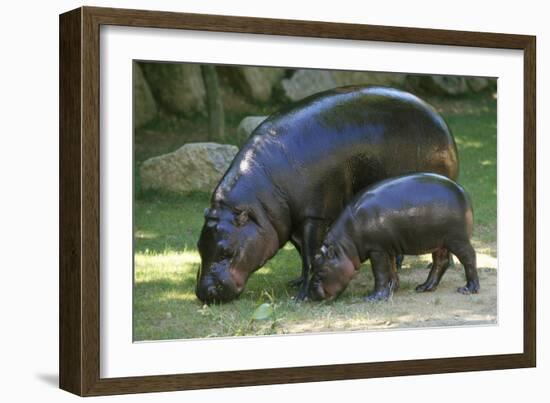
166 262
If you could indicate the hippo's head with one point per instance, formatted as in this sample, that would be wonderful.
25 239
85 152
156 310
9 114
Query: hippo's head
332 272
232 245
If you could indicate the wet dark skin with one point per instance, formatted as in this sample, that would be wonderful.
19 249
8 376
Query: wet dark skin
408 215
300 168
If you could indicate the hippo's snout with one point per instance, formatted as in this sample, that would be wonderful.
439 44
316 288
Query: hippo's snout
207 294
316 291
211 290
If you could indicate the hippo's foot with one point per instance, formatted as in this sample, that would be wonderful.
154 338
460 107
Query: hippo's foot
376 296
301 296
380 295
385 293
426 287
472 287
296 283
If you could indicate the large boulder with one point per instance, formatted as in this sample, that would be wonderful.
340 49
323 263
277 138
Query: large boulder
256 83
439 85
177 87
145 108
478 84
193 167
247 126
307 82
343 78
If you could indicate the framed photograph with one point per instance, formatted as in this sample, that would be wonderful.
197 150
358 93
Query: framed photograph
248 201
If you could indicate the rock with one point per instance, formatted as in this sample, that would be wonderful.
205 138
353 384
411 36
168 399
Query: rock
451 85
307 82
177 87
440 85
193 167
247 126
343 78
145 108
477 84
254 82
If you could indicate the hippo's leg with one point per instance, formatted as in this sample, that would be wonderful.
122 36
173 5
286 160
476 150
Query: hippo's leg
313 233
399 262
296 282
466 254
386 280
451 262
440 263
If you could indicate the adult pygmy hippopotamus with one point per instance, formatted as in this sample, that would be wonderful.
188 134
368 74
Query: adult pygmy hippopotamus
411 214
300 168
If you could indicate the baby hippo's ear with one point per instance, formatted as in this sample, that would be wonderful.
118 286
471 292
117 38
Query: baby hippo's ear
328 251
317 258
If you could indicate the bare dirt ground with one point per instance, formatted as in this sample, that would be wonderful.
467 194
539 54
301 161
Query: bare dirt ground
407 308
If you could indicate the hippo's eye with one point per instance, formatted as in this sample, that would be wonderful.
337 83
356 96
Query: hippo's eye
330 253
226 252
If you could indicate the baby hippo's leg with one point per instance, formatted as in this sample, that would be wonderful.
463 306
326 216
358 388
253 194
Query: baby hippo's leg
399 262
440 263
386 280
466 254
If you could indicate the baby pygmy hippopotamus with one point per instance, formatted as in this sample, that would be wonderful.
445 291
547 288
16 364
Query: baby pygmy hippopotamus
406 215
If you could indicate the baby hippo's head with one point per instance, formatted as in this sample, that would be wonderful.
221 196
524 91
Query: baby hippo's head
332 272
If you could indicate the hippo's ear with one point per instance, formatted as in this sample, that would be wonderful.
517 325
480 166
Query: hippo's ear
241 218
327 251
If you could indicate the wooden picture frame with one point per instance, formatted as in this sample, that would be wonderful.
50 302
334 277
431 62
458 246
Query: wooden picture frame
79 279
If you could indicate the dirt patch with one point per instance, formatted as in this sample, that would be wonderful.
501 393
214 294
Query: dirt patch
407 308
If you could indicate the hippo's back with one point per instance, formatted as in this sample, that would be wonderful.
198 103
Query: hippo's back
377 132
412 204
413 190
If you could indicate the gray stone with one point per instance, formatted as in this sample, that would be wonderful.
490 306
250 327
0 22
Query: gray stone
307 82
451 85
343 78
193 167
256 82
247 126
477 84
145 108
440 85
177 87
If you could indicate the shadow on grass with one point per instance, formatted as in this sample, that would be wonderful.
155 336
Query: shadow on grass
165 221
273 278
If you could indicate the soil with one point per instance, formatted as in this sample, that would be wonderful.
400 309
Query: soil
408 308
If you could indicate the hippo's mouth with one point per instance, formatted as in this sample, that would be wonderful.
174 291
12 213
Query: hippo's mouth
317 291
219 286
